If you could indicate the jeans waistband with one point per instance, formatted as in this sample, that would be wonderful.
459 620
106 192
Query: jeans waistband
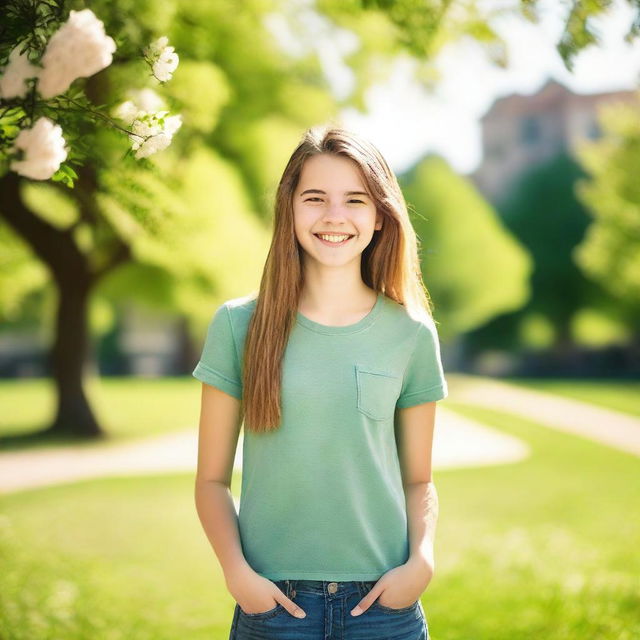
337 588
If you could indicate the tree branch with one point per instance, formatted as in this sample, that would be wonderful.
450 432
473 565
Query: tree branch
55 247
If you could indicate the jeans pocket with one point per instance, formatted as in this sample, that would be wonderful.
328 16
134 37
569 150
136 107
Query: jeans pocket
410 608
378 392
263 615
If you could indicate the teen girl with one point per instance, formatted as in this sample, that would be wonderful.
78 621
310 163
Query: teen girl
334 368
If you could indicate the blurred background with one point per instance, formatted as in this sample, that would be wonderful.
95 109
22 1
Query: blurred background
514 129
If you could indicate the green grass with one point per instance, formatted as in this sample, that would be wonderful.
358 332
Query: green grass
109 559
129 408
619 395
543 548
126 408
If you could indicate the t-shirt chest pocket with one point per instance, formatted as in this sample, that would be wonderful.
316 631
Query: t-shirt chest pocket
378 391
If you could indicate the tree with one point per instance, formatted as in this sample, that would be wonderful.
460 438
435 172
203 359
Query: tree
125 223
609 253
492 274
543 212
148 223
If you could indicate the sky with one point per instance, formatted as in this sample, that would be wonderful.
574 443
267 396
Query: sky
405 122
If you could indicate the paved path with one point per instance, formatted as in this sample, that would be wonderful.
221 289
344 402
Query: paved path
458 442
613 428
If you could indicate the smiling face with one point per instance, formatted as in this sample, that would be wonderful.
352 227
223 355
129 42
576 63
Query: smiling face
334 216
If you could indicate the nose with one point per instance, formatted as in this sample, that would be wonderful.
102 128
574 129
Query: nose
334 211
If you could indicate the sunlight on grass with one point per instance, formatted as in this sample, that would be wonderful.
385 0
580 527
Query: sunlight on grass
126 408
540 547
126 557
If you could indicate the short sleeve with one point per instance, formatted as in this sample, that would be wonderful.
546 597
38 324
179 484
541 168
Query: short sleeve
424 379
218 364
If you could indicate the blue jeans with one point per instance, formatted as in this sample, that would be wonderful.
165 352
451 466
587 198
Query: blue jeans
328 606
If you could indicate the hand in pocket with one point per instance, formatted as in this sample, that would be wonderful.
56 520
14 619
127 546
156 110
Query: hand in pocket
256 594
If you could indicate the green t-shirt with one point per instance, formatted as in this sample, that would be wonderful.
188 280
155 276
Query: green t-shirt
322 496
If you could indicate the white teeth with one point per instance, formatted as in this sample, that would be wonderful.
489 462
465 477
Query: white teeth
333 238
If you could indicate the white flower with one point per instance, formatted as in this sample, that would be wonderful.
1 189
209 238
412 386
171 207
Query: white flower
78 49
158 45
172 124
157 142
145 124
157 128
44 150
166 64
146 99
163 59
126 111
151 130
19 69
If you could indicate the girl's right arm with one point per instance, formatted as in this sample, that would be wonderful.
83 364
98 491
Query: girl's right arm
217 442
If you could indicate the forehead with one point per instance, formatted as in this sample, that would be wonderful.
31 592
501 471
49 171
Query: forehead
331 172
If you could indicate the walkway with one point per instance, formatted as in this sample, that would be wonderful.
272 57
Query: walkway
613 428
458 442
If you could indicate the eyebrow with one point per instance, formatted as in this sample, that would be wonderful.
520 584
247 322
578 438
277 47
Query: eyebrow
346 193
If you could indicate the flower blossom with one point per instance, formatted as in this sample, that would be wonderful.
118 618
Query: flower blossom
78 49
18 69
150 132
44 150
146 99
163 59
146 118
127 111
140 101
158 126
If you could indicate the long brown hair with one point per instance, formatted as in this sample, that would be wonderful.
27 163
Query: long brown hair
390 265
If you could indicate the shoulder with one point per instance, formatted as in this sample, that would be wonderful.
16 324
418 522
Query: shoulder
241 306
408 321
238 311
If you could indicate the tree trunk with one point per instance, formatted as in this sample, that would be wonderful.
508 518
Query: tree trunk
69 357
564 354
56 248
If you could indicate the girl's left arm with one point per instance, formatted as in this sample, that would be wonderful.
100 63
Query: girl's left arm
414 438
403 585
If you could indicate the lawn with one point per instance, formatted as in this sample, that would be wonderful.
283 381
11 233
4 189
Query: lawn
130 408
127 408
544 548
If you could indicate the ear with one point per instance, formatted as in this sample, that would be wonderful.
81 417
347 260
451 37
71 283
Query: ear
379 219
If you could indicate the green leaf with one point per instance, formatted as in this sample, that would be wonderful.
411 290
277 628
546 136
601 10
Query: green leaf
66 175
68 171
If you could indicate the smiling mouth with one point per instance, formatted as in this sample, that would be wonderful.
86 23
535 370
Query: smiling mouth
333 239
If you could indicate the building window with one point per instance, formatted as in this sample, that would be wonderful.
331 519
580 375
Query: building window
593 130
529 130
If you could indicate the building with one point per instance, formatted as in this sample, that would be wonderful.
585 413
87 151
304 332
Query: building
520 131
